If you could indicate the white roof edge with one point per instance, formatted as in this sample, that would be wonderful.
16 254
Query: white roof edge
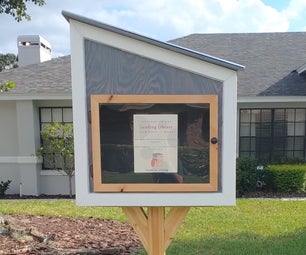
165 45
271 99
7 97
301 69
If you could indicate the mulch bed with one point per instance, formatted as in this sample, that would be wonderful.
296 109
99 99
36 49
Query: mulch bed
46 235
17 196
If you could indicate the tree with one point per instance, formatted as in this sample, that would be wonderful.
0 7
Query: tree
57 145
17 8
6 86
8 61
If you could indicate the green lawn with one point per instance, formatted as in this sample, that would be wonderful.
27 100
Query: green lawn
252 227
258 227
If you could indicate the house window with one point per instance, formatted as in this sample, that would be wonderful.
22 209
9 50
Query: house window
270 135
47 115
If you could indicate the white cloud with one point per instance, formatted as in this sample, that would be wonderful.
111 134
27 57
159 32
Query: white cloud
296 15
295 9
171 18
253 16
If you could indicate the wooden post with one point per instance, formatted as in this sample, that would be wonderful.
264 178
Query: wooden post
156 219
155 229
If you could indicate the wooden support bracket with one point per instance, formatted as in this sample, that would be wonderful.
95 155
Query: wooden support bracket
154 228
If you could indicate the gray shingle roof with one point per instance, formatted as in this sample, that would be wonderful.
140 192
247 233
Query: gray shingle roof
50 77
271 59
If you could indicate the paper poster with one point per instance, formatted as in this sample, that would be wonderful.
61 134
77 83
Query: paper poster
155 143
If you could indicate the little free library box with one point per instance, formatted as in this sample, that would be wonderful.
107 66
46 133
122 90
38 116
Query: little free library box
154 123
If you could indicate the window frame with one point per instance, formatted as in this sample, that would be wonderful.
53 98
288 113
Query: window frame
275 137
43 123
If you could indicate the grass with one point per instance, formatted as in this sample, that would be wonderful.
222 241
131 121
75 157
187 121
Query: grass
252 227
65 208
261 227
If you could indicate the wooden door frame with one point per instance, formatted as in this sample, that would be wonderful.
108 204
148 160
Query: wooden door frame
99 186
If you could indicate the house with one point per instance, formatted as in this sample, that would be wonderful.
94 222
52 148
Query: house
271 90
271 104
42 94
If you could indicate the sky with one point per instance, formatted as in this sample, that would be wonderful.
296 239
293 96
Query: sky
159 19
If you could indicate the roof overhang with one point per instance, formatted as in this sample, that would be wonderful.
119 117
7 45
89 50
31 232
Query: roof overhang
37 96
271 99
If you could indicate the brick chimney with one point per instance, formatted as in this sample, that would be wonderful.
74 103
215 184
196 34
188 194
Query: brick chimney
32 49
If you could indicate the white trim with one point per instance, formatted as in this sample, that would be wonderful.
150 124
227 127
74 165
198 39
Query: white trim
63 96
229 141
20 160
153 52
301 69
271 99
52 172
79 106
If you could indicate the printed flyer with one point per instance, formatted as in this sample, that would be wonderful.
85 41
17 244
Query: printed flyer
155 143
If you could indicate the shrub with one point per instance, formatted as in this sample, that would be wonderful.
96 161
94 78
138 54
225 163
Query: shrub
288 161
246 175
58 145
4 186
286 178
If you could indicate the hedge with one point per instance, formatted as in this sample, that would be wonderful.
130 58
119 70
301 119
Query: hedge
286 178
245 175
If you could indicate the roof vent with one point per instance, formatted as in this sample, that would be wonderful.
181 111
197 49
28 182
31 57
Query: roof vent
32 49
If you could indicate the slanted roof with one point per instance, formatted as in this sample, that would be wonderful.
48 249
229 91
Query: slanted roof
165 45
271 59
47 78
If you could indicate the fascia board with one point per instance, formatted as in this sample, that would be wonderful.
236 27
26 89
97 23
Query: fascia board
7 97
270 99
